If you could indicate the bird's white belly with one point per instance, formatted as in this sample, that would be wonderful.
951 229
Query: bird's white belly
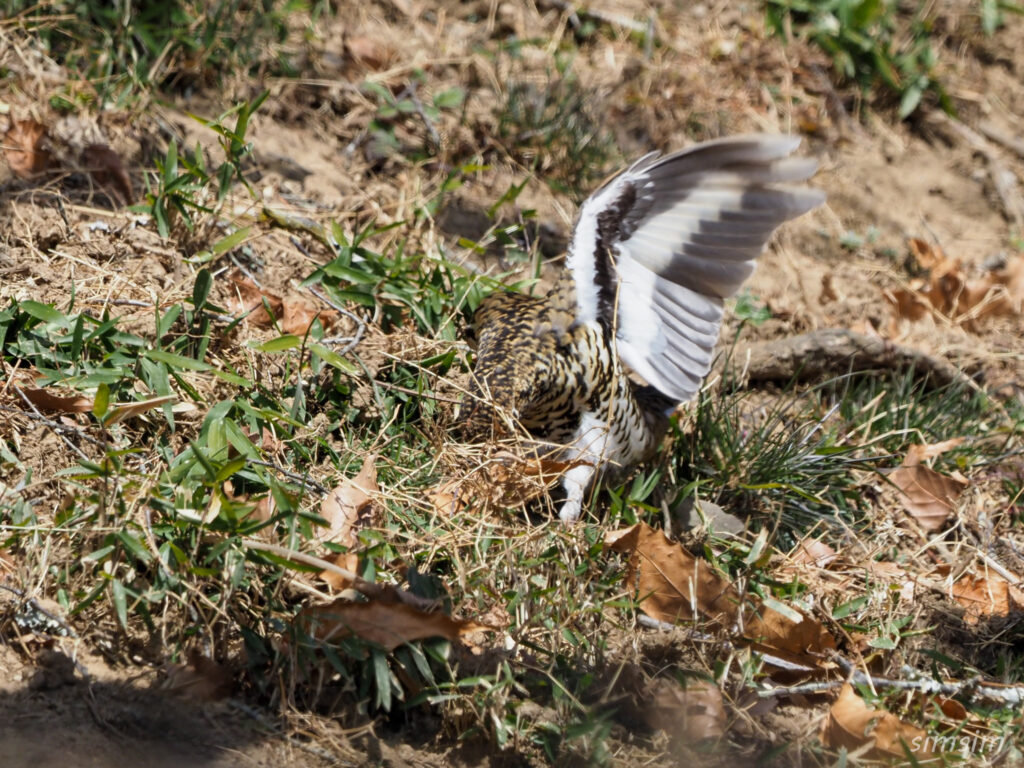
603 448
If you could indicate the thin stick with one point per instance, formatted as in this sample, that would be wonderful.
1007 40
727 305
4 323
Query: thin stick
352 341
301 479
368 588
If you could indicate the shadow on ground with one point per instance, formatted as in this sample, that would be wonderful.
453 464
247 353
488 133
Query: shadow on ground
106 725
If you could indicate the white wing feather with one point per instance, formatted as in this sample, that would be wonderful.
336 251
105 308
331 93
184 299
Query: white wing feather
683 233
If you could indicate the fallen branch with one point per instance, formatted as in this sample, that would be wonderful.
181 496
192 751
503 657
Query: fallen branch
973 689
834 351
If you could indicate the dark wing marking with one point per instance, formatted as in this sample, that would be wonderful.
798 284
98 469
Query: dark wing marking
657 249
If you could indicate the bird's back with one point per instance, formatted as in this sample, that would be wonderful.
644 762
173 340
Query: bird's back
538 367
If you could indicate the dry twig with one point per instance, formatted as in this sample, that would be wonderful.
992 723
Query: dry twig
368 588
973 689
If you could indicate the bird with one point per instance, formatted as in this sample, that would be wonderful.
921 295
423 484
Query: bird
594 369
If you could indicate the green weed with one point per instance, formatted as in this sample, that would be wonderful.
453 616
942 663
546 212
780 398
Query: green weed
185 187
803 458
129 48
556 128
875 44
407 106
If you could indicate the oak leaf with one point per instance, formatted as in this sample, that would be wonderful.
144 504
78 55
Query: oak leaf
336 581
371 53
23 148
853 724
987 596
45 400
297 316
814 552
672 585
263 307
349 506
928 496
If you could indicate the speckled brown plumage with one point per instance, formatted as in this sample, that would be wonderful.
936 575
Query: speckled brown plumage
544 370
654 254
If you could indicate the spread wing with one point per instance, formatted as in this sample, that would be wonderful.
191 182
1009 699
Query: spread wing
657 249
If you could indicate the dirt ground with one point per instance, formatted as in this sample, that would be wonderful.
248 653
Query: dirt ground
837 267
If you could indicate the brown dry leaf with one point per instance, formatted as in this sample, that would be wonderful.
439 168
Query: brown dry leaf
918 453
388 624
44 400
105 166
909 305
671 583
692 714
262 512
349 506
828 290
927 256
372 54
928 496
546 470
1016 598
987 297
1000 292
986 596
852 724
23 148
248 297
521 479
793 635
1012 279
7 563
447 498
297 316
269 441
950 292
813 552
952 708
507 480
202 679
120 412
347 560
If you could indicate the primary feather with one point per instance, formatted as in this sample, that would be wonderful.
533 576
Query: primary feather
654 254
